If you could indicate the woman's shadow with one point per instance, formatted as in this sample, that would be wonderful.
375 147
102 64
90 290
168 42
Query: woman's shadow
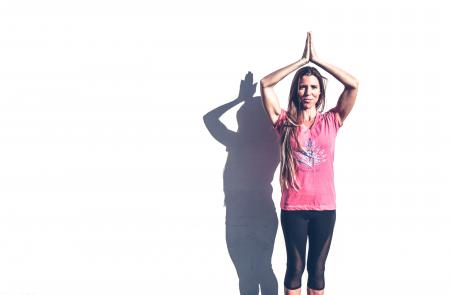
251 219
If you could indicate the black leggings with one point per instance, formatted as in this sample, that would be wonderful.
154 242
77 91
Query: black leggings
318 227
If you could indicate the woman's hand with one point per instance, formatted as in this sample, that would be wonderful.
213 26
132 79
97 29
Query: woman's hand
307 51
313 55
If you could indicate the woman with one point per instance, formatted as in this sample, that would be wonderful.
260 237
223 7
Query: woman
308 207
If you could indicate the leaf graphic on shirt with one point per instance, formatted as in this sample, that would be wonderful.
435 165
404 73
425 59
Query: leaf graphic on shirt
311 155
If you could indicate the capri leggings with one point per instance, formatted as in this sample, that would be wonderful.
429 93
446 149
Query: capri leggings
318 227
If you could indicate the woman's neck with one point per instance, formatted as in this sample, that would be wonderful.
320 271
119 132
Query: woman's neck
308 115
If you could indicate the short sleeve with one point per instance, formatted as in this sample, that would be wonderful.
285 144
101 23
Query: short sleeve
280 121
333 119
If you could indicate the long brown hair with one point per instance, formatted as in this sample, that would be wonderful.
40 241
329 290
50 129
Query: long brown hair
288 164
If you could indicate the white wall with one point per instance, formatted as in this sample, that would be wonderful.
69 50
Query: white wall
111 184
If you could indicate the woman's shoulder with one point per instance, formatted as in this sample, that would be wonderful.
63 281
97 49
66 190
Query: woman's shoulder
281 119
332 117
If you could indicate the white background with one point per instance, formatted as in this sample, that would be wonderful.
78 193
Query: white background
111 184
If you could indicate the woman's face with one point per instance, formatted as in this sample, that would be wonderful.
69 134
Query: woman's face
308 91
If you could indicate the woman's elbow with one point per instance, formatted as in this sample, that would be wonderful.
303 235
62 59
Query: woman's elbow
353 84
262 83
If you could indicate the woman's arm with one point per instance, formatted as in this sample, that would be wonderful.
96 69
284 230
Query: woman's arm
348 96
269 98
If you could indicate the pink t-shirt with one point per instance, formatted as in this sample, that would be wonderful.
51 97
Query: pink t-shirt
315 174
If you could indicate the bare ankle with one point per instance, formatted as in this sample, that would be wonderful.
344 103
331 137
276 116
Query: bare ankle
292 292
315 292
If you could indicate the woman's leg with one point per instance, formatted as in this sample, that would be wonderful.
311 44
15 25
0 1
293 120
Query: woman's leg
292 292
315 292
295 230
320 233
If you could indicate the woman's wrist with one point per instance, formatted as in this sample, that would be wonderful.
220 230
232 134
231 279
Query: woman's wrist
316 61
301 62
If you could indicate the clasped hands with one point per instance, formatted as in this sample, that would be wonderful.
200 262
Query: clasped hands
309 53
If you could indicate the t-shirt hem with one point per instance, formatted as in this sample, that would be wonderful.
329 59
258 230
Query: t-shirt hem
308 207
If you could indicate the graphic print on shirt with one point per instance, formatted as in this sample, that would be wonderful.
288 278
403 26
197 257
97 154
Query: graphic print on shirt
311 155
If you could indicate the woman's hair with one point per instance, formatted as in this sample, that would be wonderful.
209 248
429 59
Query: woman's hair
289 129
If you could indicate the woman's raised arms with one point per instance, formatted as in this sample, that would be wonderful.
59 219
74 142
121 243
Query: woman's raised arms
269 97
